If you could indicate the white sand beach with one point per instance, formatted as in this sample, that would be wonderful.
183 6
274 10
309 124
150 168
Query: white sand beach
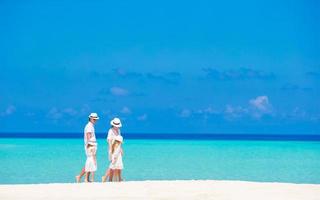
218 190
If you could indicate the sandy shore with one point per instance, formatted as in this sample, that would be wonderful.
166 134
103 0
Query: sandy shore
218 190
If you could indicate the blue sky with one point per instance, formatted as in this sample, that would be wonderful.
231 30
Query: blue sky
162 67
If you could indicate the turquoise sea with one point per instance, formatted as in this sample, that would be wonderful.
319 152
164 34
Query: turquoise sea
59 160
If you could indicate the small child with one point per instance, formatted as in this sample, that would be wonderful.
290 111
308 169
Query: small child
91 162
116 164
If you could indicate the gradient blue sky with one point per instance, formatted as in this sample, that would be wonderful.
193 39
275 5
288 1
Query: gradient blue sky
161 66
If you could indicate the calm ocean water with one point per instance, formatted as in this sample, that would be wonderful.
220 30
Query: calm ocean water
59 160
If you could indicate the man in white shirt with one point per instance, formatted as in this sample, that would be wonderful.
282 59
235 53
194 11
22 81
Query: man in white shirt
89 136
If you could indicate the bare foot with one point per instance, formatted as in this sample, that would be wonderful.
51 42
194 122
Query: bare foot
78 179
103 179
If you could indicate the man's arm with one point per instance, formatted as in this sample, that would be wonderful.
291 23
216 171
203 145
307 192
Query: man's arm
88 136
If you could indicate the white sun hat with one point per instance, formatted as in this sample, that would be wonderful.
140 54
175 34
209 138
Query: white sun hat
116 122
94 116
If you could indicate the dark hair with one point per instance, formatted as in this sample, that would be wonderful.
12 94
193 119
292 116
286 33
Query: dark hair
114 143
91 118
89 145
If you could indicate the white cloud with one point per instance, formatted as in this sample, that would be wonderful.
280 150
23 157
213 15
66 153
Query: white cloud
85 110
70 111
30 114
315 118
238 74
208 110
9 110
296 114
299 113
232 112
125 110
260 106
185 113
257 107
118 91
143 117
261 103
120 71
105 112
56 114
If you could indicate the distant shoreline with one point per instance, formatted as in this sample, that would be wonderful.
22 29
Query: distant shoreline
168 136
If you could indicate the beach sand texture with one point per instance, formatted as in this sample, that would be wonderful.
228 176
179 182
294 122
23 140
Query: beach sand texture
218 190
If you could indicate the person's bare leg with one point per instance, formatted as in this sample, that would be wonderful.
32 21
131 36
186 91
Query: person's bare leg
92 176
95 163
106 175
120 175
111 175
78 178
107 172
115 175
86 179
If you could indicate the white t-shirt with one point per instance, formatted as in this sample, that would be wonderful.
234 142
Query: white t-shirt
89 128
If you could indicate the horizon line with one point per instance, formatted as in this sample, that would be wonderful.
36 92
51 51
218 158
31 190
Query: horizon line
168 136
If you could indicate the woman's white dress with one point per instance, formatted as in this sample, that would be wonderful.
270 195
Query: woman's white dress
116 162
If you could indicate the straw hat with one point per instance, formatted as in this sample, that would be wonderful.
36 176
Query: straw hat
94 116
116 122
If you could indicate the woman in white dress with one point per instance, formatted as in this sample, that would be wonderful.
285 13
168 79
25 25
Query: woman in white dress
113 132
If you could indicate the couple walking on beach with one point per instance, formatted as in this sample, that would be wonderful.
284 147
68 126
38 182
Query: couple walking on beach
114 142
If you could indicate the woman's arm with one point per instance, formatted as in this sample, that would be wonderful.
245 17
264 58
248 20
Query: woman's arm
109 141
